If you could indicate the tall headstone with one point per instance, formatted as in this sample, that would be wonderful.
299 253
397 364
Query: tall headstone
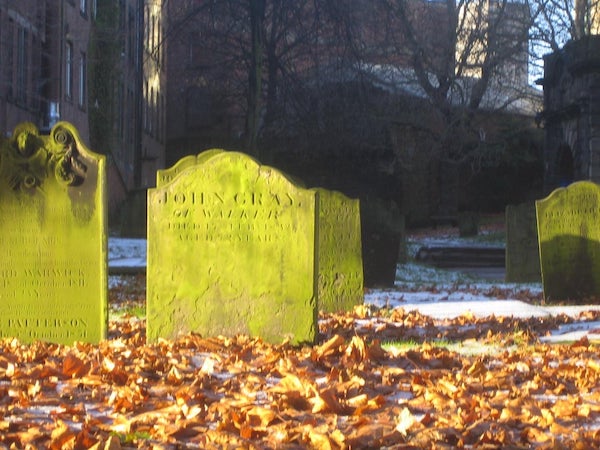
53 225
340 271
231 250
522 248
568 222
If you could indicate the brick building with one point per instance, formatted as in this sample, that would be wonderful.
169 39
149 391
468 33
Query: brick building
49 60
43 55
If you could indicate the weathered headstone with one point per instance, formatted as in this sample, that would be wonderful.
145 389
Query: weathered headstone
522 248
340 270
383 241
53 264
468 224
569 242
231 250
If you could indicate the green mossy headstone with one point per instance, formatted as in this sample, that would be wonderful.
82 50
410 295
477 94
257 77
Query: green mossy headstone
340 271
231 250
53 264
522 248
568 222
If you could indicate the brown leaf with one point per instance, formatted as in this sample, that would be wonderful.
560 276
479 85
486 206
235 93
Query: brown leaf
319 441
332 346
260 417
357 349
326 401
73 366
62 437
405 422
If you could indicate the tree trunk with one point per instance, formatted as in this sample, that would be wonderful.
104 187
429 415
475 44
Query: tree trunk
257 17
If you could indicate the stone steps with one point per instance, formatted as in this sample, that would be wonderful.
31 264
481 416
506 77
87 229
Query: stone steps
454 256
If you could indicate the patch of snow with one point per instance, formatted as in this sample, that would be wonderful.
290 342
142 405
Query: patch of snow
126 252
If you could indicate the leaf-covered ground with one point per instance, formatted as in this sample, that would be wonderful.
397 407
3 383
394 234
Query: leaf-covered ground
376 378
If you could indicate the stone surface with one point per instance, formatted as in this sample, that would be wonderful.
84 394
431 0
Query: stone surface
53 222
522 248
571 121
569 241
231 250
340 271
383 241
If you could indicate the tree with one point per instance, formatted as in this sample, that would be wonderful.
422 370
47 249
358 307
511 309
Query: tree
339 73
558 21
463 57
245 54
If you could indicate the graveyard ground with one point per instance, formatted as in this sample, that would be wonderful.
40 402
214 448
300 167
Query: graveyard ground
471 373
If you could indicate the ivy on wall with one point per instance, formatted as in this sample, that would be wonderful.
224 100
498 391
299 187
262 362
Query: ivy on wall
104 50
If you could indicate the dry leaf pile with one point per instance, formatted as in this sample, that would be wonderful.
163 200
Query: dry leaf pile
346 392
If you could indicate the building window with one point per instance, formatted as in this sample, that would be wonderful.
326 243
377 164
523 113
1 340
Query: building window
69 70
22 65
83 7
94 9
82 80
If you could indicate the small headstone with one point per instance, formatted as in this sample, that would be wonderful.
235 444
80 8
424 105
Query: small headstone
231 250
340 269
468 224
522 249
569 241
53 264
383 241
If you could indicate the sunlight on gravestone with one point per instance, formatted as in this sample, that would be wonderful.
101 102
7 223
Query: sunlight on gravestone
340 268
53 264
231 250
568 222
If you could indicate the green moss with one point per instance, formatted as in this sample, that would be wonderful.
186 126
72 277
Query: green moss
103 73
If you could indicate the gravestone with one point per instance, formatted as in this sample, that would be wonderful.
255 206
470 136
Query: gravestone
53 264
231 250
522 248
569 242
383 241
340 272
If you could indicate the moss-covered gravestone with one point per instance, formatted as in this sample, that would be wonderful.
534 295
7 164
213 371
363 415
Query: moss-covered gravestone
522 248
340 270
568 222
231 250
53 264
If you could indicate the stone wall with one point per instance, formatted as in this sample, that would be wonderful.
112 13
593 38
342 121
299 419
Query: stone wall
571 115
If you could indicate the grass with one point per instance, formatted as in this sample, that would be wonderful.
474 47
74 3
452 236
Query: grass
128 310
467 347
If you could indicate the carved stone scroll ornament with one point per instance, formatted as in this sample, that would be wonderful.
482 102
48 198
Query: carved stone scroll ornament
28 158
